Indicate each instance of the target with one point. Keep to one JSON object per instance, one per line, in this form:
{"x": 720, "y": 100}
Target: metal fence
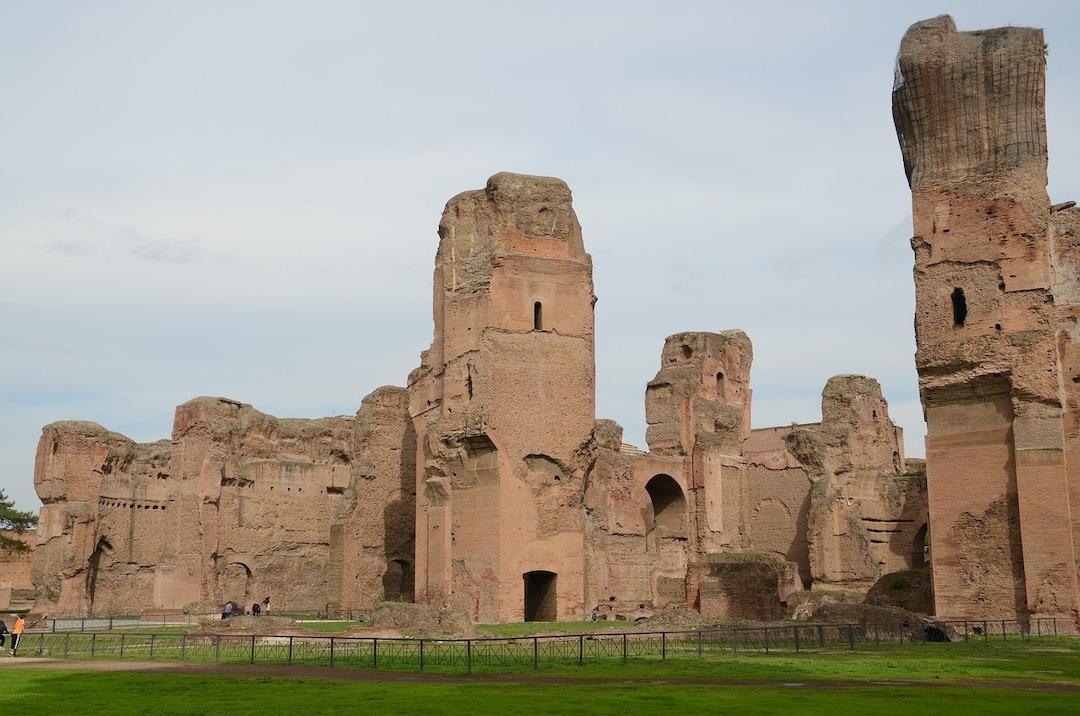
{"x": 494, "y": 653}
{"x": 167, "y": 619}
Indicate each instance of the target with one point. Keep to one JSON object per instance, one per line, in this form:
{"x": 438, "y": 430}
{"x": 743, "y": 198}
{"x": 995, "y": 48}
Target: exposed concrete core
{"x": 488, "y": 487}
{"x": 997, "y": 307}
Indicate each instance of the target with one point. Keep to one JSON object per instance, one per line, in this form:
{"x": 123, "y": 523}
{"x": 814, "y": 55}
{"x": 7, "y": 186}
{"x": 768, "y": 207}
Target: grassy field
{"x": 976, "y": 677}
{"x": 40, "y": 691}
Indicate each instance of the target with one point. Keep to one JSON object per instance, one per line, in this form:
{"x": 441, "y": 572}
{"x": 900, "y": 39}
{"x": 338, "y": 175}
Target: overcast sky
{"x": 241, "y": 199}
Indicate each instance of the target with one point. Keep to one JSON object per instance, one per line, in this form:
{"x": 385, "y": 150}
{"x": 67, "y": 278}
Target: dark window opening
{"x": 668, "y": 503}
{"x": 720, "y": 385}
{"x": 920, "y": 545}
{"x": 397, "y": 581}
{"x": 687, "y": 351}
{"x": 959, "y": 307}
{"x": 335, "y": 490}
{"x": 468, "y": 380}
{"x": 538, "y": 317}
{"x": 540, "y": 599}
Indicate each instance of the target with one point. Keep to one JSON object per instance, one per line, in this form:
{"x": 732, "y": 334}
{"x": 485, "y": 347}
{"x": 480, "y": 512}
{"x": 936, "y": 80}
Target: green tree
{"x": 12, "y": 520}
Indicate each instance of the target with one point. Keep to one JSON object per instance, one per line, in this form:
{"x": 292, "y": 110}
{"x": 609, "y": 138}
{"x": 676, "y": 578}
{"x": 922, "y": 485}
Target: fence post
{"x": 851, "y": 636}
{"x": 1003, "y": 637}
{"x": 67, "y": 643}
{"x": 110, "y": 622}
{"x": 624, "y": 647}
{"x": 699, "y": 644}
{"x": 1055, "y": 625}
{"x": 375, "y": 653}
{"x": 580, "y": 649}
{"x": 734, "y": 641}
{"x": 41, "y": 643}
{"x": 151, "y": 646}
{"x": 900, "y": 631}
{"x": 986, "y": 630}
{"x": 663, "y": 645}
{"x": 290, "y": 651}
{"x": 251, "y": 658}
{"x": 331, "y": 652}
{"x": 93, "y": 643}
{"x": 468, "y": 654}
{"x": 966, "y": 630}
{"x": 766, "y": 640}
{"x": 536, "y": 652}
{"x": 421, "y": 655}
{"x": 1038, "y": 625}
{"x": 54, "y": 626}
{"x": 795, "y": 634}
{"x": 183, "y": 646}
{"x": 217, "y": 648}
{"x": 82, "y": 624}
{"x": 122, "y": 645}
{"x": 821, "y": 635}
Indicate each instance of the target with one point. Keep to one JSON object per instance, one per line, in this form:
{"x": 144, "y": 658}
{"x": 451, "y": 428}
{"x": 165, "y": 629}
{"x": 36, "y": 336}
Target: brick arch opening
{"x": 668, "y": 502}
{"x": 541, "y": 601}
{"x": 397, "y": 581}
{"x": 103, "y": 547}
{"x": 919, "y": 546}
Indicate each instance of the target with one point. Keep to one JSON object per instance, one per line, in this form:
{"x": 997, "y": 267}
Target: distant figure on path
{"x": 266, "y": 604}
{"x": 255, "y": 609}
{"x": 3, "y": 633}
{"x": 227, "y": 611}
{"x": 17, "y": 632}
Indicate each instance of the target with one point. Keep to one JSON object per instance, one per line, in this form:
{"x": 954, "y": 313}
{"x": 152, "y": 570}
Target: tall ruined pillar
{"x": 502, "y": 402}
{"x": 970, "y": 116}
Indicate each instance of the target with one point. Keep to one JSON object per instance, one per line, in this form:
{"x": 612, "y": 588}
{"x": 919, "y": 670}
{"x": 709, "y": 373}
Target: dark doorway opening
{"x": 397, "y": 581}
{"x": 540, "y": 601}
{"x": 668, "y": 503}
{"x": 919, "y": 547}
{"x": 538, "y": 316}
{"x": 959, "y": 307}
{"x": 94, "y": 566}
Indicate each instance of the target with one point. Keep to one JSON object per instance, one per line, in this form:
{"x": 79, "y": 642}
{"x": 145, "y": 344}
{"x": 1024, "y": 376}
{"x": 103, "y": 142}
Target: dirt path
{"x": 346, "y": 674}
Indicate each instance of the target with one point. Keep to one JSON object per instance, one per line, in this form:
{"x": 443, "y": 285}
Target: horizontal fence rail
{"x": 167, "y": 619}
{"x": 494, "y": 653}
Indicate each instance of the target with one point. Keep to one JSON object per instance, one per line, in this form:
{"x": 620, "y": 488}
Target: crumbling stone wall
{"x": 237, "y": 505}
{"x": 487, "y": 485}
{"x": 995, "y": 320}
{"x": 504, "y": 401}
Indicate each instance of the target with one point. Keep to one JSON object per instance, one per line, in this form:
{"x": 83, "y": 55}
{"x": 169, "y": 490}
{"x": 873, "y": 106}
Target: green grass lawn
{"x": 40, "y": 691}
{"x": 528, "y": 628}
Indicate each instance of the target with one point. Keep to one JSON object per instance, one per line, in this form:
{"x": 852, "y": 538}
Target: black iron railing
{"x": 494, "y": 653}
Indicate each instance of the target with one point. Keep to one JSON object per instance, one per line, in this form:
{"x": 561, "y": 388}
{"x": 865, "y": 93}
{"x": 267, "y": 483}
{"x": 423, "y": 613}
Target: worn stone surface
{"x": 487, "y": 487}
{"x": 16, "y": 585}
{"x": 238, "y": 505}
{"x": 996, "y": 321}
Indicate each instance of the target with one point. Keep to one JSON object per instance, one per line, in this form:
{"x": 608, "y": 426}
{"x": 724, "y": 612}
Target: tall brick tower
{"x": 997, "y": 292}
{"x": 502, "y": 402}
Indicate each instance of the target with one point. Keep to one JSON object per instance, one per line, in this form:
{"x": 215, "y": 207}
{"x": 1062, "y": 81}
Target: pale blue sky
{"x": 240, "y": 199}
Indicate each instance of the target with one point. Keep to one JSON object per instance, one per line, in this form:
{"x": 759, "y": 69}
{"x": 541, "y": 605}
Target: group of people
{"x": 16, "y": 632}
{"x": 230, "y": 609}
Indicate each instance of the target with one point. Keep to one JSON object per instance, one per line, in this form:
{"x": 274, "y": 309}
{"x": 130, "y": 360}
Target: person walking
{"x": 266, "y": 604}
{"x": 3, "y": 633}
{"x": 17, "y": 632}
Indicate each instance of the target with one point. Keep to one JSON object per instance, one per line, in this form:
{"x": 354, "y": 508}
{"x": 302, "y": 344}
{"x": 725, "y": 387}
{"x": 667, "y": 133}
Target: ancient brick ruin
{"x": 997, "y": 278}
{"x": 489, "y": 484}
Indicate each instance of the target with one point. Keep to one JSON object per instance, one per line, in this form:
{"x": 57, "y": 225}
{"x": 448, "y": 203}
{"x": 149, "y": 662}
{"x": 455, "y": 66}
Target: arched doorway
{"x": 920, "y": 546}
{"x": 93, "y": 569}
{"x": 397, "y": 581}
{"x": 541, "y": 602}
{"x": 668, "y": 503}
{"x": 235, "y": 583}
